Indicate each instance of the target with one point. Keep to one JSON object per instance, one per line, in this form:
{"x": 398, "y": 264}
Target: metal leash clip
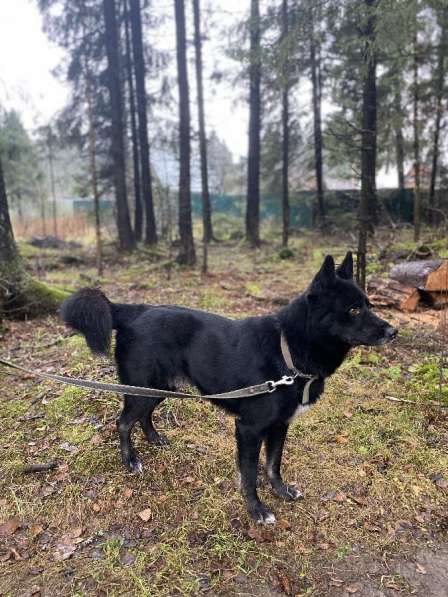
{"x": 286, "y": 380}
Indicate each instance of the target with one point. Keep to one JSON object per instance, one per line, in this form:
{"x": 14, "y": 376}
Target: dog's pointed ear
{"x": 326, "y": 276}
{"x": 345, "y": 270}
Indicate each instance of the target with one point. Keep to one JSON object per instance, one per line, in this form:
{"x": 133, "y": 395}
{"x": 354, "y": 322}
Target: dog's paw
{"x": 134, "y": 465}
{"x": 262, "y": 515}
{"x": 289, "y": 493}
{"x": 156, "y": 439}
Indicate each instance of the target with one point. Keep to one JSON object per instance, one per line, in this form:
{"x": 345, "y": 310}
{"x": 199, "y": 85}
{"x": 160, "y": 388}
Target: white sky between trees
{"x": 27, "y": 59}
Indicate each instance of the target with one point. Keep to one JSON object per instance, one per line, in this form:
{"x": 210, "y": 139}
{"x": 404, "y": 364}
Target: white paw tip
{"x": 295, "y": 493}
{"x": 268, "y": 519}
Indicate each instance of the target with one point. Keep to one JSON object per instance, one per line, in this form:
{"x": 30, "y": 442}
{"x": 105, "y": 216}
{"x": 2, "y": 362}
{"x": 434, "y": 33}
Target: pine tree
{"x": 139, "y": 66}
{"x": 125, "y": 234}
{"x": 368, "y": 139}
{"x": 440, "y": 76}
{"x": 285, "y": 127}
{"x": 206, "y": 206}
{"x": 138, "y": 209}
{"x": 187, "y": 255}
{"x": 316, "y": 83}
{"x": 253, "y": 158}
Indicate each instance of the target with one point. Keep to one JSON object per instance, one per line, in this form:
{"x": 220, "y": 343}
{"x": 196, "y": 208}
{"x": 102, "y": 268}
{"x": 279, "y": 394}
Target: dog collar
{"x": 286, "y": 353}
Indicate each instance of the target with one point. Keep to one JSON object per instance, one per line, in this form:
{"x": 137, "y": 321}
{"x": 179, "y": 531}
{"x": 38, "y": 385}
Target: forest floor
{"x": 374, "y": 472}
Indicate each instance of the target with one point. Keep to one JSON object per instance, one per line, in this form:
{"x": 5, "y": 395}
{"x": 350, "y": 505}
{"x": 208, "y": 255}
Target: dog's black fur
{"x": 158, "y": 345}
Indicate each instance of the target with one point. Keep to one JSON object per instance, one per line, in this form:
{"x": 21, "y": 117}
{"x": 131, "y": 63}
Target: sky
{"x": 27, "y": 59}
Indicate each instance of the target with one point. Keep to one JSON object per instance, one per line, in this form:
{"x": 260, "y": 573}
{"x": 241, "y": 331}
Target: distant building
{"x": 425, "y": 176}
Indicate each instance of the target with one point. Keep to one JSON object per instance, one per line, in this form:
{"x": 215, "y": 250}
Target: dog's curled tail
{"x": 90, "y": 312}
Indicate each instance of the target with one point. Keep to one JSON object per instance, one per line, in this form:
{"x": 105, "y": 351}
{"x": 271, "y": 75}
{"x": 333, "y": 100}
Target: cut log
{"x": 392, "y": 294}
{"x": 416, "y": 273}
{"x": 438, "y": 279}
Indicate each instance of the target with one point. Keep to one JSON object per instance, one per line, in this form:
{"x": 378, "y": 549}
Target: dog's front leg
{"x": 248, "y": 454}
{"x": 274, "y": 443}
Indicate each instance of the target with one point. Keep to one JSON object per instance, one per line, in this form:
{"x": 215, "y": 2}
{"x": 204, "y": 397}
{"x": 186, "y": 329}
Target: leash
{"x": 296, "y": 372}
{"x": 266, "y": 387}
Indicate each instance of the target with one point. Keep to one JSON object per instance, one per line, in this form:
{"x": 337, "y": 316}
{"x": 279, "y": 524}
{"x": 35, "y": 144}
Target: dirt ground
{"x": 373, "y": 467}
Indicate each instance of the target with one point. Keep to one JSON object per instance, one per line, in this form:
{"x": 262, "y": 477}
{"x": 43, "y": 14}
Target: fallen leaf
{"x": 420, "y": 569}
{"x": 352, "y": 589}
{"x": 127, "y": 492}
{"x": 442, "y": 484}
{"x": 9, "y": 527}
{"x": 36, "y": 529}
{"x": 15, "y": 554}
{"x": 260, "y": 534}
{"x": 96, "y": 507}
{"x": 361, "y": 501}
{"x": 341, "y": 439}
{"x": 371, "y": 527}
{"x": 46, "y": 490}
{"x": 34, "y": 590}
{"x": 65, "y": 548}
{"x": 284, "y": 583}
{"x": 283, "y": 524}
{"x": 145, "y": 514}
{"x": 348, "y": 414}
{"x": 334, "y": 496}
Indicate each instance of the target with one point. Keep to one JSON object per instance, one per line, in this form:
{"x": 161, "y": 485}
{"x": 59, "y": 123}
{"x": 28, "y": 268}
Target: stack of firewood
{"x": 412, "y": 284}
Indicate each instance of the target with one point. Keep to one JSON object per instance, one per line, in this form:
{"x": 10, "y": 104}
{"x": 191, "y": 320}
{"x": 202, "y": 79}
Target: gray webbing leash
{"x": 296, "y": 373}
{"x": 266, "y": 387}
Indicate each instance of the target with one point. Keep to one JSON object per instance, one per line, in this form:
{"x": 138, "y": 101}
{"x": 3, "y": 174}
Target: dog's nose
{"x": 390, "y": 332}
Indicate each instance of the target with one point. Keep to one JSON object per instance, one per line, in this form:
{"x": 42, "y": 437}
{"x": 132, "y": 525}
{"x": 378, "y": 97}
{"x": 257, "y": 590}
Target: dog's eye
{"x": 354, "y": 311}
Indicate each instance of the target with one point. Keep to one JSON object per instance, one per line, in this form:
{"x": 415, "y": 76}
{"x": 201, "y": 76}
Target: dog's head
{"x": 339, "y": 308}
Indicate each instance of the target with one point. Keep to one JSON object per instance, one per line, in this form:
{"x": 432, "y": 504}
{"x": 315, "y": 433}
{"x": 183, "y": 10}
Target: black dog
{"x": 159, "y": 345}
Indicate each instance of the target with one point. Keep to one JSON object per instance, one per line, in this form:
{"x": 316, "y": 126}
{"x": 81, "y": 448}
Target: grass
{"x": 366, "y": 465}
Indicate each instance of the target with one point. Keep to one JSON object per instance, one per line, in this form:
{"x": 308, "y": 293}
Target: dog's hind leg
{"x": 274, "y": 443}
{"x": 147, "y": 425}
{"x": 248, "y": 454}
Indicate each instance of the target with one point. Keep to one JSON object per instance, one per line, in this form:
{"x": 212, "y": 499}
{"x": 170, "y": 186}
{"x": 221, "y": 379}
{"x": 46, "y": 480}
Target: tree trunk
{"x": 399, "y": 139}
{"x": 317, "y": 122}
{"x": 11, "y": 268}
{"x": 415, "y": 125}
{"x": 20, "y": 296}
{"x": 138, "y": 212}
{"x": 206, "y": 207}
{"x": 367, "y": 210}
{"x": 285, "y": 129}
{"x": 93, "y": 171}
{"x": 139, "y": 67}
{"x": 439, "y": 99}
{"x": 253, "y": 165}
{"x": 52, "y": 184}
{"x": 125, "y": 234}
{"x": 187, "y": 255}
{"x": 8, "y": 248}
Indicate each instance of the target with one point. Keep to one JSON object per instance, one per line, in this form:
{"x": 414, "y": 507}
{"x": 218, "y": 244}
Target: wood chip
{"x": 145, "y": 514}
